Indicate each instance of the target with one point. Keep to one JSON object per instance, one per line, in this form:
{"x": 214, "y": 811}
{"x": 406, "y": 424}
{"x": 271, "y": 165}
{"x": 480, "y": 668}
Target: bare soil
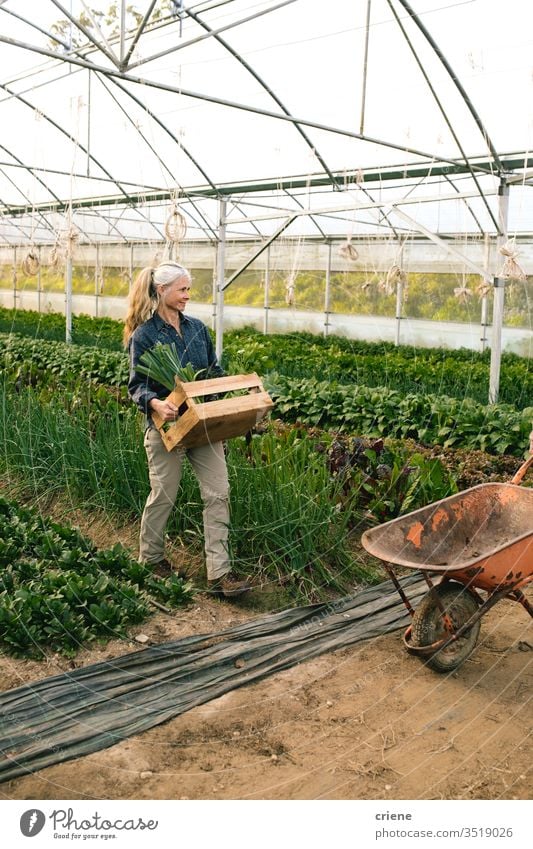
{"x": 368, "y": 722}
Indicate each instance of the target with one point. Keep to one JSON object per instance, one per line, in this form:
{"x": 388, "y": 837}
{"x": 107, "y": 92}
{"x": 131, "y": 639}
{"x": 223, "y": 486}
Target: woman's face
{"x": 176, "y": 294}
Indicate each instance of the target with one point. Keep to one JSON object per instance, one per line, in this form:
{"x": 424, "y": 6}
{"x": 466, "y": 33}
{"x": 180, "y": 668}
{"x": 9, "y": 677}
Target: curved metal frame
{"x": 118, "y": 76}
{"x": 441, "y": 107}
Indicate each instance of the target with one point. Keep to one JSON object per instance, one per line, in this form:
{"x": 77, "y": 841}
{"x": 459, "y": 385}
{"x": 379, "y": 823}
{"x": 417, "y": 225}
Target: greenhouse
{"x": 350, "y": 185}
{"x": 333, "y": 194}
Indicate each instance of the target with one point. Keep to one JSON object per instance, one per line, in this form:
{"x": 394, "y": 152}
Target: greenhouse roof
{"x": 311, "y": 118}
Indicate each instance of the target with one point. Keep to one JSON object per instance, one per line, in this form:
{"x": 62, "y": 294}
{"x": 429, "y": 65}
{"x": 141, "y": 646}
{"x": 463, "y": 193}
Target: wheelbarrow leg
{"x": 520, "y": 597}
{"x": 392, "y": 575}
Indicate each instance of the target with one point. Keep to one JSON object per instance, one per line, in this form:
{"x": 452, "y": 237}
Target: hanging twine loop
{"x": 64, "y": 247}
{"x": 348, "y": 251}
{"x": 290, "y": 292}
{"x": 482, "y": 289}
{"x": 30, "y": 264}
{"x": 395, "y": 277}
{"x": 463, "y": 294}
{"x": 175, "y": 226}
{"x": 511, "y": 270}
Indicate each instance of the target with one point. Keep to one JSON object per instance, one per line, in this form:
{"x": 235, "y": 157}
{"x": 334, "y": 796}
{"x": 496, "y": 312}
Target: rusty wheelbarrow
{"x": 479, "y": 542}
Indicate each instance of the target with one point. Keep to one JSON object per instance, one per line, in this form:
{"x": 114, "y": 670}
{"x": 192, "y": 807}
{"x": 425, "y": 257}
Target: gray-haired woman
{"x": 155, "y": 314}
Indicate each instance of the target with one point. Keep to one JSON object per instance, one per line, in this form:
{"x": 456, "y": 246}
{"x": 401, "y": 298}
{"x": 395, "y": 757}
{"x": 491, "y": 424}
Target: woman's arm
{"x": 141, "y": 388}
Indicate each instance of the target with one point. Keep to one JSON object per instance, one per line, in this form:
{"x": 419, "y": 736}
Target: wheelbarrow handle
{"x": 521, "y": 473}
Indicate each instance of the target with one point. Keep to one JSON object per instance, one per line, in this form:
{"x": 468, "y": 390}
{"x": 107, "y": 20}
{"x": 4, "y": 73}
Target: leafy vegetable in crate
{"x": 162, "y": 364}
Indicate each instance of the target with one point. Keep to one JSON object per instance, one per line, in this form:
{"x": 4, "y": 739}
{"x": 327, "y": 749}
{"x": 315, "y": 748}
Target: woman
{"x": 157, "y": 302}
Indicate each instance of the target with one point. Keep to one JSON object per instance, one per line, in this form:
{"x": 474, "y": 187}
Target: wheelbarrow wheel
{"x": 428, "y": 628}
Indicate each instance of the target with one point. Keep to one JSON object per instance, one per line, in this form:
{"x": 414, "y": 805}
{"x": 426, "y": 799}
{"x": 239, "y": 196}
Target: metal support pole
{"x": 214, "y": 291}
{"x": 96, "y": 279}
{"x": 89, "y": 77}
{"x": 122, "y": 30}
{"x": 365, "y": 68}
{"x": 399, "y": 304}
{"x": 327, "y": 295}
{"x": 68, "y": 298}
{"x": 267, "y": 292}
{"x": 485, "y": 298}
{"x": 14, "y": 278}
{"x": 499, "y": 298}
{"x": 219, "y": 322}
{"x": 39, "y": 280}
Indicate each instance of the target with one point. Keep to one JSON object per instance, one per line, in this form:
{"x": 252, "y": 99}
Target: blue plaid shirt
{"x": 193, "y": 346}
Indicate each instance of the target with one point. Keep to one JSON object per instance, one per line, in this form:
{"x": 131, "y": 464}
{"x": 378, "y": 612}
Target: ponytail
{"x": 144, "y": 295}
{"x": 142, "y": 301}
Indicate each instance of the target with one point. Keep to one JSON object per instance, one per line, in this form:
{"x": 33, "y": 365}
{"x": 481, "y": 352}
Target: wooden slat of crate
{"x": 213, "y": 421}
{"x": 216, "y": 385}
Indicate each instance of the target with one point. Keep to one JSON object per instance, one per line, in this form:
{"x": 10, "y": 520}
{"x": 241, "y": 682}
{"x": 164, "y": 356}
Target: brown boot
{"x": 164, "y": 569}
{"x": 228, "y": 586}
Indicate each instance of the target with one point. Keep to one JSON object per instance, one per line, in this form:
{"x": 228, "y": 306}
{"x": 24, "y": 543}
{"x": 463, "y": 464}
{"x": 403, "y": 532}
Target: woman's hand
{"x": 531, "y": 442}
{"x": 165, "y": 409}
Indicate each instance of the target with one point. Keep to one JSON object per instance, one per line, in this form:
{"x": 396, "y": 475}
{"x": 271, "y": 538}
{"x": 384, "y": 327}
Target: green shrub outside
{"x": 427, "y": 295}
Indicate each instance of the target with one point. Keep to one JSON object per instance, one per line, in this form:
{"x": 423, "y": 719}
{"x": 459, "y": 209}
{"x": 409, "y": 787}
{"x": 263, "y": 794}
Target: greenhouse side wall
{"x": 302, "y": 285}
{"x": 443, "y": 334}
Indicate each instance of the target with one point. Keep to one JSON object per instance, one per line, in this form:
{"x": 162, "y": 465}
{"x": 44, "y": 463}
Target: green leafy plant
{"x": 460, "y": 374}
{"x": 376, "y": 411}
{"x": 58, "y": 591}
{"x": 388, "y": 481}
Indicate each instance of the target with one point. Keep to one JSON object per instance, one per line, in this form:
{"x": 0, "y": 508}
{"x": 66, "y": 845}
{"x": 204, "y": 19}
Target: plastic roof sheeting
{"x": 275, "y": 105}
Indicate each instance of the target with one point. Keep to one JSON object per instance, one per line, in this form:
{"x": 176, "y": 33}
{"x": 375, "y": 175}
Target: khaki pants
{"x": 209, "y": 464}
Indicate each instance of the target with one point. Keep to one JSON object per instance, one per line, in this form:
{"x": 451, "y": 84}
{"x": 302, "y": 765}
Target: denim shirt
{"x": 193, "y": 346}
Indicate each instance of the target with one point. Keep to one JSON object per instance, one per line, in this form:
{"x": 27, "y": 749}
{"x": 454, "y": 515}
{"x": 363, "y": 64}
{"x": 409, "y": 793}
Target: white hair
{"x": 169, "y": 271}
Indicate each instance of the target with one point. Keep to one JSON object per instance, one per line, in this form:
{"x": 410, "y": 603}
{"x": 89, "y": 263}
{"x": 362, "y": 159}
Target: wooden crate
{"x": 200, "y": 423}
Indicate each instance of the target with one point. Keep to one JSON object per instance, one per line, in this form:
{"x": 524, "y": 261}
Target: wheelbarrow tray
{"x": 482, "y": 536}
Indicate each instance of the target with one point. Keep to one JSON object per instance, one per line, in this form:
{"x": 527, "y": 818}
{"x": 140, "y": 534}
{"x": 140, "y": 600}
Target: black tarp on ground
{"x": 94, "y": 707}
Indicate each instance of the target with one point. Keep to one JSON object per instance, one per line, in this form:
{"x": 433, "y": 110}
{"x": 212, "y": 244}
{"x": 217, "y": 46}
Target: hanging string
{"x": 511, "y": 270}
{"x": 347, "y": 250}
{"x": 290, "y": 285}
{"x": 290, "y": 291}
{"x": 463, "y": 294}
{"x": 394, "y": 277}
{"x": 175, "y": 226}
{"x": 483, "y": 288}
{"x": 63, "y": 247}
{"x": 55, "y": 259}
{"x": 30, "y": 264}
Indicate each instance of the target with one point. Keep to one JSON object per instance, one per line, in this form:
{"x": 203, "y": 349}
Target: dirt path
{"x": 367, "y": 722}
